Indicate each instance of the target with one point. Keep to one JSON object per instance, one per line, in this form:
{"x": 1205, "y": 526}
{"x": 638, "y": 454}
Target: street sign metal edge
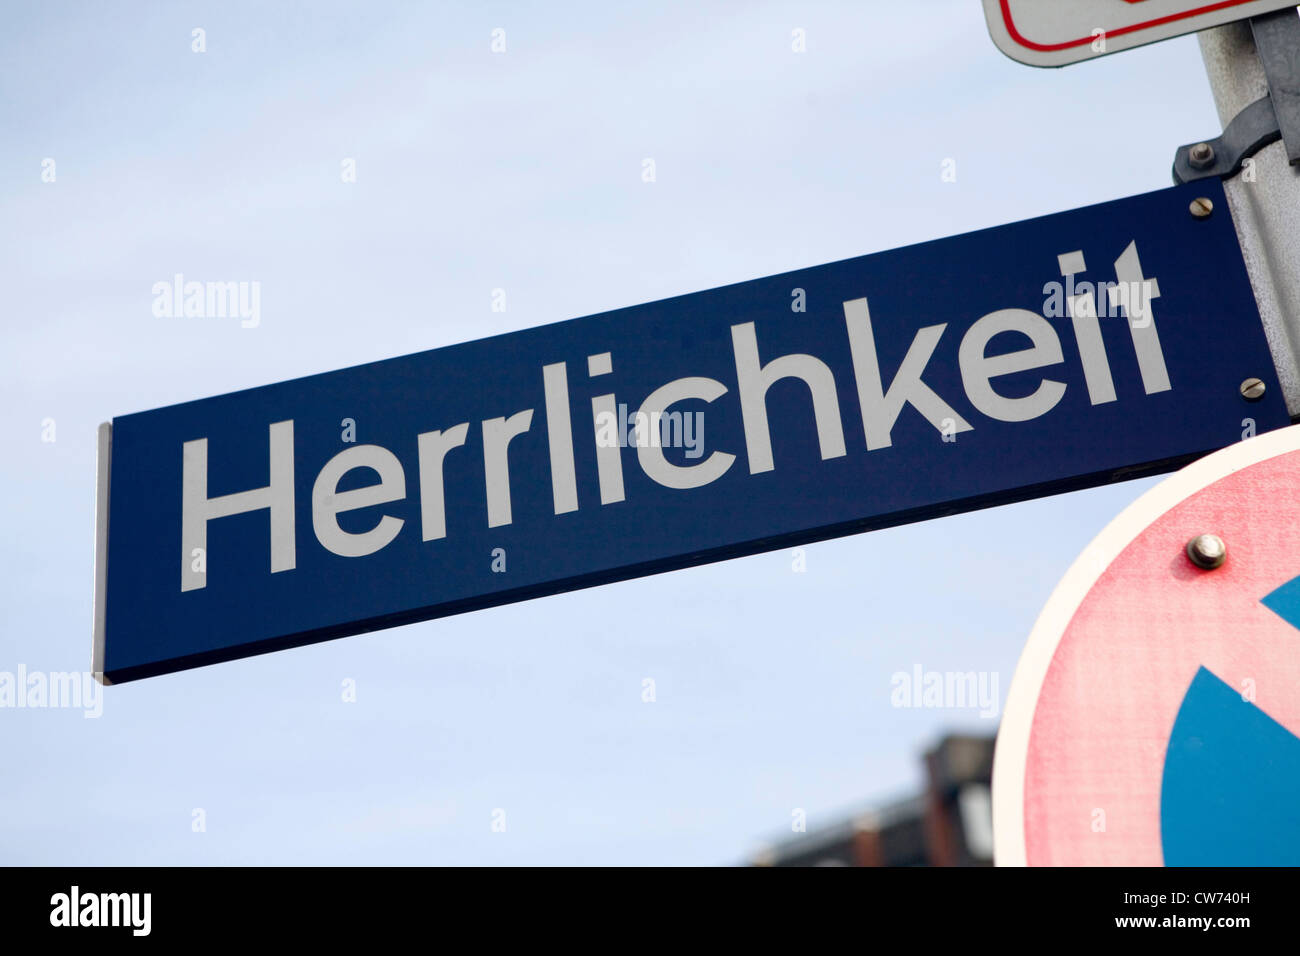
{"x": 102, "y": 470}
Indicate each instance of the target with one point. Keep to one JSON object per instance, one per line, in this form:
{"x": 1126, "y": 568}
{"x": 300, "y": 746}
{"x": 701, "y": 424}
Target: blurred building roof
{"x": 948, "y": 824}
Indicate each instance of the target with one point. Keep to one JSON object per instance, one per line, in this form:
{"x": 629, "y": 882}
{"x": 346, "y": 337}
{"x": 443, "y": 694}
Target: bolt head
{"x": 1201, "y": 207}
{"x": 1207, "y": 551}
{"x": 1201, "y": 156}
{"x": 1252, "y": 389}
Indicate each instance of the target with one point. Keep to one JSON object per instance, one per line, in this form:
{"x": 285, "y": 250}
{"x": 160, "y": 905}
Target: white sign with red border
{"x": 1057, "y": 32}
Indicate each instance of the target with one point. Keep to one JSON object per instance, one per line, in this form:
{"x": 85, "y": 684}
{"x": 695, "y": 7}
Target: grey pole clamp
{"x": 1272, "y": 117}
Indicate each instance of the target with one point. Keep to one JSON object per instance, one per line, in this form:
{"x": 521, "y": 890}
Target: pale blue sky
{"x": 519, "y": 171}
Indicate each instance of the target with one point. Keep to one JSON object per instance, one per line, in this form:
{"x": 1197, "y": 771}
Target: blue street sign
{"x": 1023, "y": 360}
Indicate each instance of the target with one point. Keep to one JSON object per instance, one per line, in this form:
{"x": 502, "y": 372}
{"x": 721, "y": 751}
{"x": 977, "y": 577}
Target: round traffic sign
{"x": 1155, "y": 712}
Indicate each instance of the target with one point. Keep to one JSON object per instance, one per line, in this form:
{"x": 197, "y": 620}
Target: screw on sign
{"x": 1154, "y": 717}
{"x": 1207, "y": 551}
{"x": 1252, "y": 389}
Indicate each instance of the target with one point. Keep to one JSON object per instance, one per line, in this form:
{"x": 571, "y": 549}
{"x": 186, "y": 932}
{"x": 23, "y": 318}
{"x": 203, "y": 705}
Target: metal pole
{"x": 1264, "y": 199}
